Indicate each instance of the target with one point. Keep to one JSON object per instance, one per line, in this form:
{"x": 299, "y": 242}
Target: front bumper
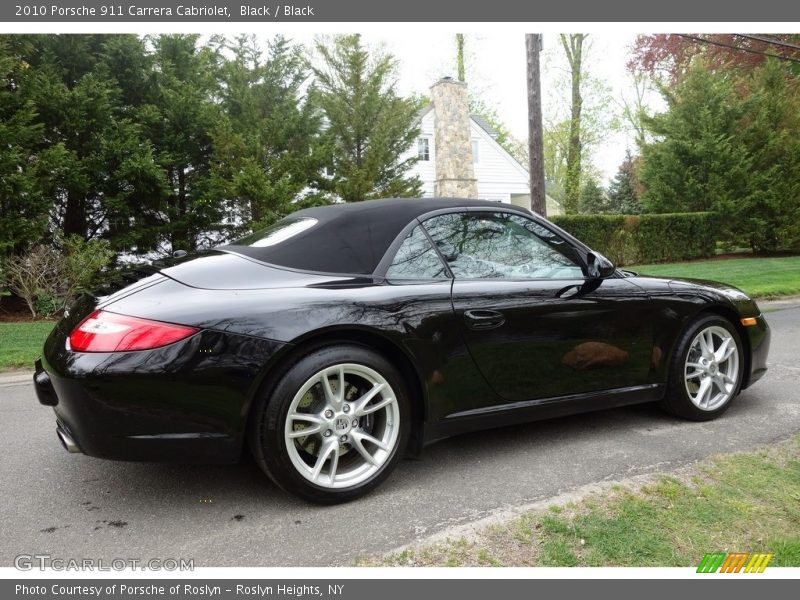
{"x": 186, "y": 402}
{"x": 758, "y": 338}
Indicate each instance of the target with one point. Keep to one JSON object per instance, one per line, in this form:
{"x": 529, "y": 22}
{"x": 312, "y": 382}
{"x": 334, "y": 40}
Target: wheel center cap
{"x": 713, "y": 368}
{"x": 341, "y": 425}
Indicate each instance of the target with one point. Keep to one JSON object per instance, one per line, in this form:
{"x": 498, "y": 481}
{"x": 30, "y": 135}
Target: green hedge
{"x": 632, "y": 239}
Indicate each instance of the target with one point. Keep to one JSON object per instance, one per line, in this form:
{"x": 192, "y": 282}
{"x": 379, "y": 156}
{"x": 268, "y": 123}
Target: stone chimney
{"x": 455, "y": 175}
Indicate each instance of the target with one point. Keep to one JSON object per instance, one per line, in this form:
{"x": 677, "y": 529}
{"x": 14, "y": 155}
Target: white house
{"x": 494, "y": 175}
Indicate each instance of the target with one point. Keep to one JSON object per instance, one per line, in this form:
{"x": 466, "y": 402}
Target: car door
{"x": 419, "y": 285}
{"x": 535, "y": 326}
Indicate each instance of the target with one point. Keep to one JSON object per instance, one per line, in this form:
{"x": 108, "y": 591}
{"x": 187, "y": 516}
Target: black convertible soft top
{"x": 347, "y": 238}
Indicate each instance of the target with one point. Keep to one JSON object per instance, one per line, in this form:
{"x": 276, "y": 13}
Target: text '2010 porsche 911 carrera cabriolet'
{"x": 343, "y": 337}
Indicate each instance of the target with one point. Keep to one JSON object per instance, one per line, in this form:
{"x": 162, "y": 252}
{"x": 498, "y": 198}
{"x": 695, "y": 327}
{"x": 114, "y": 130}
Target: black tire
{"x": 266, "y": 432}
{"x": 677, "y": 400}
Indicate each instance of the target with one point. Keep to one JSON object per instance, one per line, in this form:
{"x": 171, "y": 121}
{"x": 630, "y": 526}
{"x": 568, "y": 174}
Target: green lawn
{"x": 747, "y": 502}
{"x": 21, "y": 343}
{"x": 759, "y": 277}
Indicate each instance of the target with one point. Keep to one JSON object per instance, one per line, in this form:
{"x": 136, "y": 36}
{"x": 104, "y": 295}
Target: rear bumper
{"x": 186, "y": 402}
{"x": 759, "y": 337}
{"x": 47, "y": 396}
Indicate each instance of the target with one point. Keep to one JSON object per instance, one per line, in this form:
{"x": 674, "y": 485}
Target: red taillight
{"x": 109, "y": 332}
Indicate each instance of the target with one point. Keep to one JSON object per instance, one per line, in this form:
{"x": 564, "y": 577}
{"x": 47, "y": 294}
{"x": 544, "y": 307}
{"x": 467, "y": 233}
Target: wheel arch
{"x": 279, "y": 364}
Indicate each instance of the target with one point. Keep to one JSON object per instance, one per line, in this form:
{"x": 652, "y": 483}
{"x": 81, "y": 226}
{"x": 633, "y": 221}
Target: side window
{"x": 416, "y": 259}
{"x": 501, "y": 245}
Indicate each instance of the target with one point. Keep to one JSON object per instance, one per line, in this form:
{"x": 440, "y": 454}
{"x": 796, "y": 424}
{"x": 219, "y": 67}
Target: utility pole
{"x": 533, "y": 45}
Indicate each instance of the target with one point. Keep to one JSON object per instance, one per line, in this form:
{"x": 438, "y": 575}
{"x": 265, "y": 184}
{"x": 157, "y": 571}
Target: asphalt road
{"x": 72, "y": 506}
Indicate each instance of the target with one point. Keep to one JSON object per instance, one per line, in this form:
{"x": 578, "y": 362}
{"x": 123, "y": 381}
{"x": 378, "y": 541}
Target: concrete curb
{"x": 15, "y": 378}
{"x": 779, "y": 303}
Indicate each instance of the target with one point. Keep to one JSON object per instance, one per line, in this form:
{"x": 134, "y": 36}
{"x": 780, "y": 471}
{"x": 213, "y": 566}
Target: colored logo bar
{"x": 734, "y": 562}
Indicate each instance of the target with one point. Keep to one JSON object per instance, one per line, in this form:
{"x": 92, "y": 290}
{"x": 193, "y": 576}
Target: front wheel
{"x": 706, "y": 370}
{"x": 334, "y": 426}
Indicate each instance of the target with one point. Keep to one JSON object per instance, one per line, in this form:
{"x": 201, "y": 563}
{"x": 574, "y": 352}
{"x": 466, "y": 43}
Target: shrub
{"x": 630, "y": 239}
{"x": 49, "y": 280}
{"x": 677, "y": 236}
{"x": 34, "y": 275}
{"x": 84, "y": 266}
{"x": 596, "y": 231}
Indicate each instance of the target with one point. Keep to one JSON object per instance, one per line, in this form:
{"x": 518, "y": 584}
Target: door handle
{"x": 479, "y": 320}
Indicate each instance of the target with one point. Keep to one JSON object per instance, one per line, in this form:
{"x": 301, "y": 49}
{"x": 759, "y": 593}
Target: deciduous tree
{"x": 573, "y": 49}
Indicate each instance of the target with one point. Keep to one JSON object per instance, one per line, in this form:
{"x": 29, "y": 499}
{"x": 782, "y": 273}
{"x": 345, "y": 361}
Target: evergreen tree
{"x": 179, "y": 124}
{"x": 695, "y": 163}
{"x": 268, "y": 152}
{"x": 730, "y": 143}
{"x": 766, "y": 216}
{"x": 94, "y": 164}
{"x": 592, "y": 199}
{"x": 622, "y": 195}
{"x": 23, "y": 208}
{"x": 369, "y": 127}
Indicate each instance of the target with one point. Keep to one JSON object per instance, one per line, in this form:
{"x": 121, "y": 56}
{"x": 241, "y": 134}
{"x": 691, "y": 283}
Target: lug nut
{"x": 328, "y": 414}
{"x": 355, "y": 422}
{"x": 343, "y": 439}
{"x": 327, "y": 433}
{"x": 346, "y": 408}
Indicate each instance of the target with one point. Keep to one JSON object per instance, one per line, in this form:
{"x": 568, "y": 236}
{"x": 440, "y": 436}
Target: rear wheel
{"x": 706, "y": 370}
{"x": 334, "y": 426}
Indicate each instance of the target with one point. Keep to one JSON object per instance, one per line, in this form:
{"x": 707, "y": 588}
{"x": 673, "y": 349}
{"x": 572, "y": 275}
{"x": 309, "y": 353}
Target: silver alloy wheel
{"x": 712, "y": 368}
{"x": 342, "y": 426}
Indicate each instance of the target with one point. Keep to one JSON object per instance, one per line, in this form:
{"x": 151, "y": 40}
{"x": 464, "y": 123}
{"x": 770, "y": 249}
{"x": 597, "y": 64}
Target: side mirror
{"x": 598, "y": 266}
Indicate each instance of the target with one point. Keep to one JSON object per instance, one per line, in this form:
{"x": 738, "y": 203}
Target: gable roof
{"x": 484, "y": 124}
{"x": 479, "y": 120}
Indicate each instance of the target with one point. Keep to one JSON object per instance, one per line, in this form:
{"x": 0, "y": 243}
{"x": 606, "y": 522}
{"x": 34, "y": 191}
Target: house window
{"x": 474, "y": 151}
{"x": 423, "y": 149}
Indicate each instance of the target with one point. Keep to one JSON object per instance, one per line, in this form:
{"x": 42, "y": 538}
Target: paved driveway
{"x": 72, "y": 506}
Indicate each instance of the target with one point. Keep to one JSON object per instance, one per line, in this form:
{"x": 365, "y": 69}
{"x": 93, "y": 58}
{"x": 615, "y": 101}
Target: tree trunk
{"x": 74, "y": 217}
{"x": 535, "y": 143}
{"x": 462, "y": 76}
{"x": 573, "y": 46}
{"x": 180, "y": 233}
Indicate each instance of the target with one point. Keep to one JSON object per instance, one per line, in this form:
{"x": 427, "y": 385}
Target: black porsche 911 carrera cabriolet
{"x": 343, "y": 337}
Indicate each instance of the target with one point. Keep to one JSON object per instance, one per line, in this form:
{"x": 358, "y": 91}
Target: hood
{"x": 712, "y": 291}
{"x": 680, "y": 284}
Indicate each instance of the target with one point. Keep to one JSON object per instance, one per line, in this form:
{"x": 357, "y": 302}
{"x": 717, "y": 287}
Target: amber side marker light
{"x": 749, "y": 321}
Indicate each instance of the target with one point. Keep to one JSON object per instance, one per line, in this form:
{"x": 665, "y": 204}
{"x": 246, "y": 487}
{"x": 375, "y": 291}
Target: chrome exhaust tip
{"x": 67, "y": 441}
